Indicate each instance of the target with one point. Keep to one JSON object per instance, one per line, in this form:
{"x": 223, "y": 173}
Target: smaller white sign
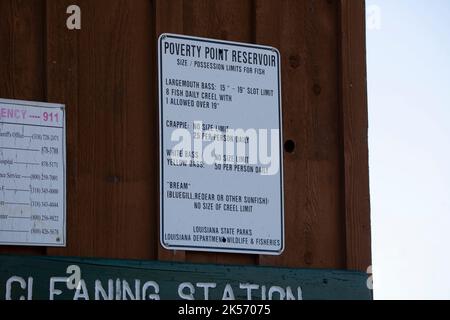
{"x": 32, "y": 173}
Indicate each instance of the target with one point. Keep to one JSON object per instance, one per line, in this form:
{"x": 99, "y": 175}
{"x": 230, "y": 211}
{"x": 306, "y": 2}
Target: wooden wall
{"x": 106, "y": 74}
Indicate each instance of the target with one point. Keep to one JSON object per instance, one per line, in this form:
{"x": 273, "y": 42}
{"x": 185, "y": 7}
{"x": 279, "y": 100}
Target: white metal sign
{"x": 32, "y": 173}
{"x": 221, "y": 178}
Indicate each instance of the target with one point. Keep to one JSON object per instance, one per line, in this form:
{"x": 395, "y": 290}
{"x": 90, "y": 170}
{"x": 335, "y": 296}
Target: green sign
{"x": 51, "y": 278}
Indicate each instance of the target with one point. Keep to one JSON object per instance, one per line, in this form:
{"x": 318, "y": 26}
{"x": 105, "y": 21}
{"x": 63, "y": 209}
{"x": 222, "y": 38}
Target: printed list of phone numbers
{"x": 32, "y": 194}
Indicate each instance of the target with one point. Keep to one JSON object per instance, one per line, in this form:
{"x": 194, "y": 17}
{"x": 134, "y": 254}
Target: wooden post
{"x": 354, "y": 127}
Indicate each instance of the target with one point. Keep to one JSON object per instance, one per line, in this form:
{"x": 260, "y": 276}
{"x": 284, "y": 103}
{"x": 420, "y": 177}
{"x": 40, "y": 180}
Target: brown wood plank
{"x": 168, "y": 19}
{"x": 212, "y": 19}
{"x": 225, "y": 20}
{"x": 305, "y": 33}
{"x": 218, "y": 20}
{"x": 104, "y": 73}
{"x": 355, "y": 126}
{"x": 62, "y": 87}
{"x": 22, "y": 64}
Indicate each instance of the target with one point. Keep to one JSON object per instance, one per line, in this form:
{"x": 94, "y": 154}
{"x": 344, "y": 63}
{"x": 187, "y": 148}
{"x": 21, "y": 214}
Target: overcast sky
{"x": 409, "y": 145}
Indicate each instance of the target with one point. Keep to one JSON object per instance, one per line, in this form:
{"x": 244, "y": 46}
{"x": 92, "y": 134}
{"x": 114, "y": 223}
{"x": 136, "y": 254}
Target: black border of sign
{"x": 162, "y": 37}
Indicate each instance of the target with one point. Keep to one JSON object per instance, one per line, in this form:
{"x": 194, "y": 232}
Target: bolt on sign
{"x": 32, "y": 173}
{"x": 221, "y": 166}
